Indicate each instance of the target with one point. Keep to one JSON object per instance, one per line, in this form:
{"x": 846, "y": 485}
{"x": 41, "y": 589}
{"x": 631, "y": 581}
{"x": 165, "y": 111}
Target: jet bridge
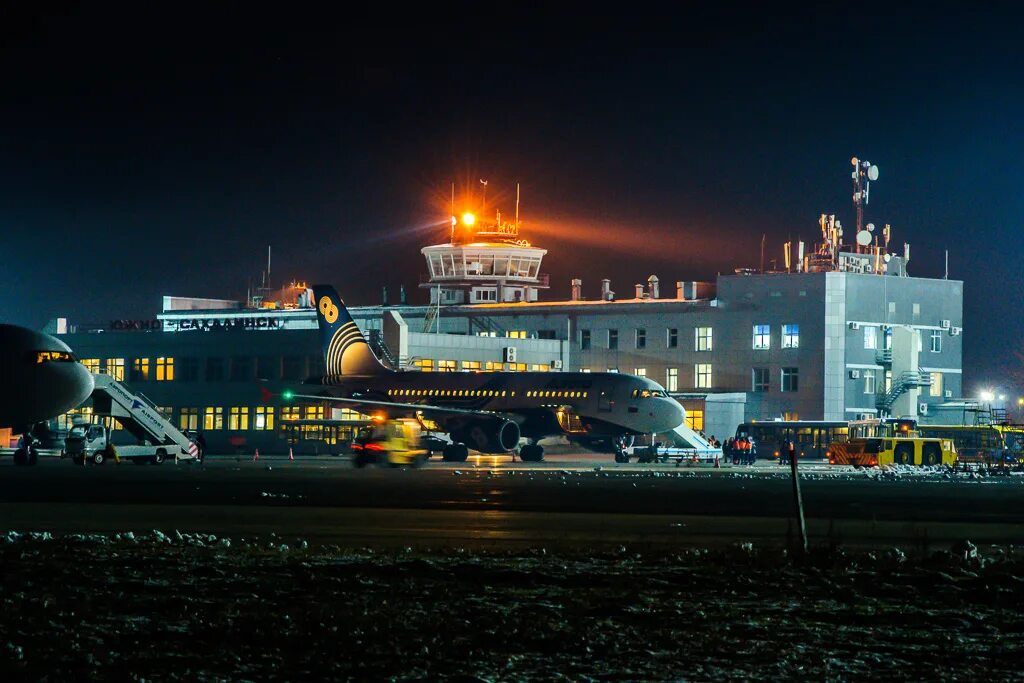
{"x": 139, "y": 416}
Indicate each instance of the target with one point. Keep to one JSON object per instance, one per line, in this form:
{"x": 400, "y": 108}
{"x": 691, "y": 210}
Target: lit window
{"x": 446, "y": 366}
{"x": 702, "y": 375}
{"x": 760, "y": 380}
{"x": 140, "y": 370}
{"x": 516, "y": 334}
{"x": 115, "y": 368}
{"x": 238, "y": 418}
{"x": 517, "y": 367}
{"x": 870, "y": 383}
{"x": 492, "y": 366}
{"x": 936, "y": 341}
{"x": 470, "y": 365}
{"x": 790, "y": 416}
{"x": 672, "y": 379}
{"x": 263, "y": 418}
{"x": 640, "y": 372}
{"x": 695, "y": 419}
{"x": 425, "y": 364}
{"x": 935, "y": 389}
{"x": 188, "y": 418}
{"x": 762, "y": 337}
{"x": 164, "y": 369}
{"x": 540, "y": 367}
{"x": 641, "y": 338}
{"x": 92, "y": 365}
{"x": 790, "y": 379}
{"x": 290, "y": 412}
{"x": 213, "y": 418}
{"x": 703, "y": 339}
{"x": 613, "y": 339}
{"x": 584, "y": 369}
{"x": 314, "y": 412}
{"x": 791, "y": 336}
{"x": 673, "y": 338}
{"x": 584, "y": 340}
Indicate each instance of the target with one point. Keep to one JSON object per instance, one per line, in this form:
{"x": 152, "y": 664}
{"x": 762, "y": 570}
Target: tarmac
{"x": 571, "y": 501}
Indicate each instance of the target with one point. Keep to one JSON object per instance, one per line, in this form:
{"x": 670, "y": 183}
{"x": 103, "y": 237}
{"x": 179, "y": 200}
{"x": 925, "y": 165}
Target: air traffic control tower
{"x": 484, "y": 262}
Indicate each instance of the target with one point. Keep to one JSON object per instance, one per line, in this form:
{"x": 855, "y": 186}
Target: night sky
{"x": 150, "y": 152}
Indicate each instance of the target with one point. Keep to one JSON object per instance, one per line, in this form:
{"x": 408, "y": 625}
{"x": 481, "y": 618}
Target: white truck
{"x": 158, "y": 438}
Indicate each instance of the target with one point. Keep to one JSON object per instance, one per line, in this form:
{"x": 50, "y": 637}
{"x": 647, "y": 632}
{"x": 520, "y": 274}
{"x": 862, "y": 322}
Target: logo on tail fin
{"x": 345, "y": 350}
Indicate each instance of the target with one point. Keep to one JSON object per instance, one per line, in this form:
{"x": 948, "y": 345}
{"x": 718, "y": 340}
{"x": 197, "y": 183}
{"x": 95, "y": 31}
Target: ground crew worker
{"x": 783, "y": 452}
{"x": 792, "y": 451}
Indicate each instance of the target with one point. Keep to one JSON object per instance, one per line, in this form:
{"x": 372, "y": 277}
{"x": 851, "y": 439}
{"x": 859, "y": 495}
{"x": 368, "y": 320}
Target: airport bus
{"x": 812, "y": 437}
{"x": 985, "y": 444}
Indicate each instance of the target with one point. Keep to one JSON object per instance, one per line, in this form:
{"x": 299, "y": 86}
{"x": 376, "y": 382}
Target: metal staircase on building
{"x": 486, "y": 324}
{"x": 376, "y": 341}
{"x": 900, "y": 385}
{"x": 883, "y": 356}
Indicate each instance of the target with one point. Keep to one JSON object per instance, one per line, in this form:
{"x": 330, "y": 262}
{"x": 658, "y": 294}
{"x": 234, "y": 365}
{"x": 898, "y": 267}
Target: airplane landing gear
{"x": 26, "y": 455}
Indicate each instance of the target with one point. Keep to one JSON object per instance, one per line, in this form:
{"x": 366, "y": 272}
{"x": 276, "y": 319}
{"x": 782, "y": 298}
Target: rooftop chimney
{"x": 680, "y": 294}
{"x": 652, "y": 286}
{"x": 577, "y": 289}
{"x": 606, "y": 290}
{"x": 639, "y": 291}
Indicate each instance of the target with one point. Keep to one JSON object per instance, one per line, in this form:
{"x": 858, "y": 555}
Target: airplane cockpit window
{"x": 50, "y": 356}
{"x": 648, "y": 393}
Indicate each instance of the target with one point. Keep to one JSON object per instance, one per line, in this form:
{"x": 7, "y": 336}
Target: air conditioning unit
{"x": 948, "y": 393}
{"x": 854, "y": 326}
{"x": 509, "y": 354}
{"x": 945, "y": 324}
{"x": 556, "y": 364}
{"x": 922, "y": 408}
{"x": 955, "y": 331}
{"x": 854, "y": 374}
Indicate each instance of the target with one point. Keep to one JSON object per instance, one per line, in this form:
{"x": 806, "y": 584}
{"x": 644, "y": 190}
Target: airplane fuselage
{"x": 606, "y": 404}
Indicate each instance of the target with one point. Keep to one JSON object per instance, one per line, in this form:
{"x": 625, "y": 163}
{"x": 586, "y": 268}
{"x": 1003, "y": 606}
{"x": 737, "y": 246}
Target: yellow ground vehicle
{"x": 891, "y": 442}
{"x": 394, "y": 443}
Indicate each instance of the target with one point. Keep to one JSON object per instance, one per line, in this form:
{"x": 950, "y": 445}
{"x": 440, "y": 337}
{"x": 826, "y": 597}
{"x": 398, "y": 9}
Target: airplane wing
{"x": 401, "y": 407}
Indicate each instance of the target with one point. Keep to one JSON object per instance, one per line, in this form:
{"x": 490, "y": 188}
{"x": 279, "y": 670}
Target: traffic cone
{"x": 256, "y": 457}
{"x": 291, "y": 456}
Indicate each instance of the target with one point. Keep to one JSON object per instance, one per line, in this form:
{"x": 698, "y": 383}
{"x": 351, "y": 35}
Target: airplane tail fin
{"x": 345, "y": 349}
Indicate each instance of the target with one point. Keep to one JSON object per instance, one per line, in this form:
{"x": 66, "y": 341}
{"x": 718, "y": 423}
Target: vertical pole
{"x": 517, "y": 206}
{"x": 798, "y": 502}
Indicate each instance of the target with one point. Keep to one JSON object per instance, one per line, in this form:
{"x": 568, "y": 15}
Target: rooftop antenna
{"x": 763, "y": 236}
{"x": 483, "y": 202}
{"x": 863, "y": 173}
{"x": 453, "y": 213}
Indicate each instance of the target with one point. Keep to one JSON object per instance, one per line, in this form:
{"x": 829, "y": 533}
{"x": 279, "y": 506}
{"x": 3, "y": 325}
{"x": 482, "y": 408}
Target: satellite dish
{"x": 871, "y": 227}
{"x": 863, "y": 238}
{"x": 873, "y": 172}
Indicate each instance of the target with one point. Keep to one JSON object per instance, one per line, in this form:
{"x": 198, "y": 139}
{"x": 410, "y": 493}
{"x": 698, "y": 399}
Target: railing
{"x": 377, "y": 345}
{"x": 883, "y": 356}
{"x": 900, "y": 385}
{"x": 542, "y": 280}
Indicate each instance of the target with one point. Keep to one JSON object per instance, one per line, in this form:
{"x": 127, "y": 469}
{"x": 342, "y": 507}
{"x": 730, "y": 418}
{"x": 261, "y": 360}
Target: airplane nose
{"x": 670, "y": 414}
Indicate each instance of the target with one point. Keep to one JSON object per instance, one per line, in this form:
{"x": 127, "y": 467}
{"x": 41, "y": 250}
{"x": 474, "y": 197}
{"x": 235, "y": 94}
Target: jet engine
{"x": 489, "y": 436}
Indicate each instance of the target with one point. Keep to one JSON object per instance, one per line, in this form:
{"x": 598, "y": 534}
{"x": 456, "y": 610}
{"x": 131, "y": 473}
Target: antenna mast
{"x": 863, "y": 173}
{"x": 517, "y": 206}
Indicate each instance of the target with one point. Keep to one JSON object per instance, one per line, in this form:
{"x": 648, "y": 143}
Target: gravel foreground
{"x": 197, "y": 608}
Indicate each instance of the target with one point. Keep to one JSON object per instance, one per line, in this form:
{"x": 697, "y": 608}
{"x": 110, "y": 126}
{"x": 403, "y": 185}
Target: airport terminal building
{"x": 844, "y": 334}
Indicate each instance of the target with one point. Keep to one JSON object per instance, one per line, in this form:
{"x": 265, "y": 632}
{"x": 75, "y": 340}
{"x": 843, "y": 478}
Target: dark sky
{"x": 149, "y": 152}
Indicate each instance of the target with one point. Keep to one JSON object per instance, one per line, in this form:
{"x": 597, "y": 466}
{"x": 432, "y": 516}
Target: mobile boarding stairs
{"x": 140, "y": 417}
